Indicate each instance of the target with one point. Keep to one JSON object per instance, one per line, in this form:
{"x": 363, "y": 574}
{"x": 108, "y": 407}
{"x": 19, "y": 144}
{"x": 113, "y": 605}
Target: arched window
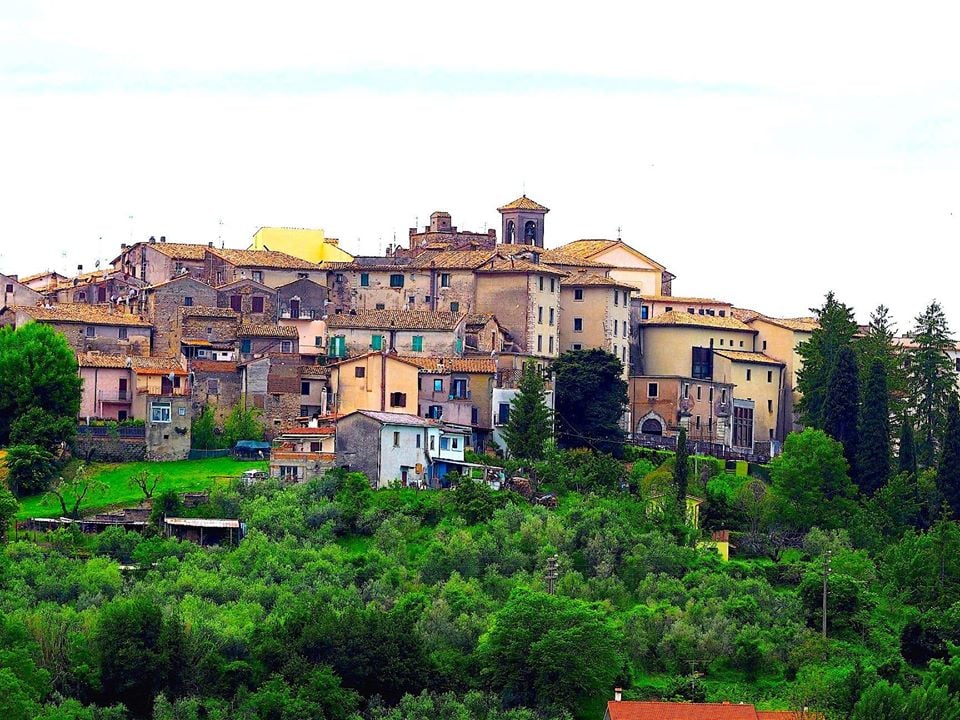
{"x": 530, "y": 232}
{"x": 511, "y": 233}
{"x": 651, "y": 426}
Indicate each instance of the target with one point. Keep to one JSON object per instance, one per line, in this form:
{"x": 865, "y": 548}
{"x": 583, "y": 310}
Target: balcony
{"x": 121, "y": 397}
{"x": 460, "y": 395}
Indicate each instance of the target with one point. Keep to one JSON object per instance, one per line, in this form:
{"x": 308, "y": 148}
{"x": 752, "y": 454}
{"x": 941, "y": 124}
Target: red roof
{"x": 637, "y": 710}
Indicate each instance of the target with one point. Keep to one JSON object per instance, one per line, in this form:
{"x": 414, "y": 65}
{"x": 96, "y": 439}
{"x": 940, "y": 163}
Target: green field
{"x": 182, "y": 476}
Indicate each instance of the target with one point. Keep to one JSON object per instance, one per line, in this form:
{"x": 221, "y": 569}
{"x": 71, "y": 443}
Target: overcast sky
{"x": 763, "y": 152}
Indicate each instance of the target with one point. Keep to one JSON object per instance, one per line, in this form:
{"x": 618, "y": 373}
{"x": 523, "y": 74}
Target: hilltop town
{"x": 435, "y": 332}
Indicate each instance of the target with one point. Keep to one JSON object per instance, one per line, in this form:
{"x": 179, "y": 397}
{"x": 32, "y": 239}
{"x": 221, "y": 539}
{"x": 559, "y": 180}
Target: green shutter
{"x": 418, "y": 343}
{"x": 376, "y": 342}
{"x": 459, "y": 345}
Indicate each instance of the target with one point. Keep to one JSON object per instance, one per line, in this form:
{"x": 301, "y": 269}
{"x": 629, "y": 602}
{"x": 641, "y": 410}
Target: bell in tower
{"x": 523, "y": 222}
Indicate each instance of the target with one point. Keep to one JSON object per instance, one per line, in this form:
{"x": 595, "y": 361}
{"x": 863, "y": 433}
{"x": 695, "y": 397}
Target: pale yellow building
{"x": 595, "y": 313}
{"x": 757, "y": 380}
{"x": 304, "y": 243}
{"x": 377, "y": 381}
{"x": 631, "y": 266}
{"x": 653, "y": 305}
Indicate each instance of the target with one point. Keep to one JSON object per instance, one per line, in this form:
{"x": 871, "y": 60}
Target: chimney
{"x": 152, "y": 239}
{"x": 163, "y": 238}
{"x": 210, "y": 244}
{"x": 617, "y": 694}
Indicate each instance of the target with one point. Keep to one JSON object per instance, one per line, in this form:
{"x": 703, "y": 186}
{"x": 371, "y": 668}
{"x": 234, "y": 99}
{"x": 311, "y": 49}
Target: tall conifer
{"x": 531, "y": 422}
{"x": 873, "y": 465}
{"x": 932, "y": 379}
{"x": 907, "y": 453}
{"x": 948, "y": 469}
{"x": 841, "y": 409}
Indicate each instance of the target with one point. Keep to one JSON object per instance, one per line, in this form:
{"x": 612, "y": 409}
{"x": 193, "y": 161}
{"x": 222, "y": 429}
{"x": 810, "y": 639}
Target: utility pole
{"x": 826, "y": 577}
{"x": 552, "y": 575}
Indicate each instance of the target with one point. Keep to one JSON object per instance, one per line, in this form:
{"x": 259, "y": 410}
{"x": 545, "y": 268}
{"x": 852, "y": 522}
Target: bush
{"x": 30, "y": 469}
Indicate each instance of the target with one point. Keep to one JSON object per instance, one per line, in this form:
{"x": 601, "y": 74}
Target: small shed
{"x": 204, "y": 531}
{"x": 251, "y": 450}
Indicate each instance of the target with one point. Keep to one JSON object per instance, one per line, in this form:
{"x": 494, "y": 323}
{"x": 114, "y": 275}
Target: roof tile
{"x": 393, "y": 319}
{"x": 83, "y": 314}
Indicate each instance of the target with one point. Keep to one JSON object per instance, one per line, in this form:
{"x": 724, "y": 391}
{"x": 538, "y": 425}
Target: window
{"x": 686, "y": 390}
{"x": 769, "y": 376}
{"x": 359, "y": 371}
{"x": 433, "y": 442}
{"x": 364, "y": 279}
{"x": 396, "y": 439}
{"x": 411, "y": 300}
{"x": 444, "y": 443}
{"x": 550, "y": 344}
{"x": 503, "y": 413}
{"x": 616, "y": 327}
{"x": 699, "y": 391}
{"x": 379, "y": 306}
{"x": 9, "y": 287}
{"x": 616, "y": 297}
{"x": 455, "y": 443}
{"x": 418, "y": 343}
{"x": 578, "y": 294}
{"x": 188, "y": 301}
{"x": 577, "y": 346}
{"x": 257, "y": 276}
{"x": 539, "y": 343}
{"x": 653, "y": 390}
{"x": 159, "y": 412}
{"x": 245, "y": 345}
{"x": 614, "y": 349}
{"x": 743, "y": 427}
{"x": 723, "y": 313}
{"x": 702, "y": 363}
{"x": 669, "y": 309}
{"x": 376, "y": 342}
{"x": 454, "y": 307}
{"x": 304, "y": 387}
{"x": 435, "y": 412}
{"x": 122, "y": 333}
{"x": 236, "y": 303}
{"x": 338, "y": 278}
{"x": 710, "y": 395}
{"x": 693, "y": 311}
{"x": 551, "y": 316}
{"x": 540, "y": 314}
{"x": 474, "y": 416}
{"x": 398, "y": 399}
{"x": 286, "y": 346}
{"x": 458, "y": 388}
{"x": 317, "y": 340}
{"x": 644, "y": 312}
{"x": 418, "y": 441}
{"x": 748, "y": 374}
{"x": 769, "y": 406}
{"x": 721, "y": 342}
{"x": 764, "y": 344}
{"x": 90, "y": 331}
{"x": 396, "y": 280}
{"x": 303, "y": 276}
{"x": 219, "y": 277}
{"x": 741, "y": 343}
{"x": 213, "y": 386}
{"x": 541, "y": 283}
{"x": 256, "y": 305}
{"x": 698, "y": 422}
{"x": 438, "y": 385}
{"x": 553, "y": 284}
{"x": 209, "y": 331}
{"x": 578, "y": 324}
{"x": 444, "y": 279}
{"x": 625, "y": 326}
{"x": 626, "y": 299}
{"x": 314, "y": 446}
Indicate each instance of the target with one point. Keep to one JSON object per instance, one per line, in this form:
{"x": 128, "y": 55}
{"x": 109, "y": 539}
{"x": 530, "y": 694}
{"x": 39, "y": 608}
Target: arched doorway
{"x": 651, "y": 426}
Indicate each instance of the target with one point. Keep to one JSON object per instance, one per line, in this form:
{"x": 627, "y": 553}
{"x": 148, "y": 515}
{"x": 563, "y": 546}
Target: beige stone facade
{"x": 595, "y": 313}
{"x": 374, "y": 381}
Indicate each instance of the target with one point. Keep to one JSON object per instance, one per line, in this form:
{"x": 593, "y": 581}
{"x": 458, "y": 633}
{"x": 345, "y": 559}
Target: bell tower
{"x": 523, "y": 222}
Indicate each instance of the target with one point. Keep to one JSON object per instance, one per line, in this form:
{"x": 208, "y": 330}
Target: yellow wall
{"x": 353, "y": 393}
{"x": 667, "y": 349}
{"x": 764, "y": 393}
{"x": 598, "y": 312}
{"x": 303, "y": 243}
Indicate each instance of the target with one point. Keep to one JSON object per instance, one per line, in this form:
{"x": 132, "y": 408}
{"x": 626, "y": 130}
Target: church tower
{"x": 523, "y": 222}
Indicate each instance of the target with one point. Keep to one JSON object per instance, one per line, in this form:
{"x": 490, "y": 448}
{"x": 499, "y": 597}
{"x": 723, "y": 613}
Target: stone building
{"x": 208, "y": 333}
{"x": 155, "y": 262}
{"x": 97, "y": 288}
{"x": 161, "y": 304}
{"x": 484, "y": 334}
{"x": 271, "y": 383}
{"x": 378, "y": 381}
{"x": 15, "y": 292}
{"x": 103, "y": 328}
{"x": 629, "y": 265}
{"x": 595, "y": 313}
{"x": 267, "y": 267}
{"x": 254, "y": 301}
{"x": 118, "y": 387}
{"x": 523, "y": 221}
{"x": 442, "y": 234}
{"x": 215, "y": 384}
{"x": 415, "y": 332}
{"x": 258, "y": 339}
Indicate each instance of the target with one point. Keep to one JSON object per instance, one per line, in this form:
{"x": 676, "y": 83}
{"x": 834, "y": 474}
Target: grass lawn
{"x": 182, "y": 476}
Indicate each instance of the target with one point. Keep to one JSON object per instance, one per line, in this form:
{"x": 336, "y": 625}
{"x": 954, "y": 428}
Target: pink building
{"x": 117, "y": 387}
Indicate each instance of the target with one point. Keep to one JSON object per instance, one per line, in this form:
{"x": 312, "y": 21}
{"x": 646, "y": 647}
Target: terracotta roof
{"x": 180, "y": 251}
{"x": 588, "y": 248}
{"x": 512, "y": 264}
{"x": 206, "y": 311}
{"x": 747, "y": 357}
{"x": 313, "y": 371}
{"x": 325, "y": 430}
{"x": 637, "y": 710}
{"x": 140, "y": 365}
{"x": 680, "y": 299}
{"x": 396, "y": 319}
{"x": 37, "y": 276}
{"x": 453, "y": 364}
{"x": 263, "y": 259}
{"x": 177, "y": 278}
{"x": 587, "y": 279}
{"x": 214, "y": 366}
{"x": 336, "y": 265}
{"x": 245, "y": 281}
{"x": 745, "y": 315}
{"x": 83, "y": 314}
{"x": 453, "y": 259}
{"x": 524, "y": 203}
{"x": 480, "y": 319}
{"x": 267, "y": 331}
{"x": 388, "y": 355}
{"x": 555, "y": 256}
{"x": 800, "y": 324}
{"x": 389, "y": 418}
{"x": 682, "y": 317}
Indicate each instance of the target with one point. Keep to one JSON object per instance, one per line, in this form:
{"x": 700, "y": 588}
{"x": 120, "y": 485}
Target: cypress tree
{"x": 948, "y": 468}
{"x": 874, "y": 462}
{"x": 681, "y": 472}
{"x": 531, "y": 423}
{"x": 837, "y": 330}
{"x": 842, "y": 406}
{"x": 907, "y": 455}
{"x": 931, "y": 379}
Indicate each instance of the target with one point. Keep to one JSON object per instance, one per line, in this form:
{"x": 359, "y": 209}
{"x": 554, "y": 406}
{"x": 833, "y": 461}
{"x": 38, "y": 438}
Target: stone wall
{"x": 109, "y": 449}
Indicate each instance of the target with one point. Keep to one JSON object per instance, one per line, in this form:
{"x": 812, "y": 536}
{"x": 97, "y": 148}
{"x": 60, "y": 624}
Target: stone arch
{"x": 651, "y": 424}
{"x": 530, "y": 232}
{"x": 511, "y": 233}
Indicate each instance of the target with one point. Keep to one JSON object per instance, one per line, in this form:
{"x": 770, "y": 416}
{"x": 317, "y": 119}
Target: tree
{"x": 841, "y": 406}
{"x": 548, "y": 651}
{"x": 530, "y": 424}
{"x": 948, "y": 469}
{"x": 242, "y": 424}
{"x": 203, "y": 434}
{"x": 30, "y": 469}
{"x": 591, "y": 397}
{"x": 836, "y": 330}
{"x": 37, "y": 370}
{"x": 8, "y": 510}
{"x": 75, "y": 490}
{"x": 473, "y": 500}
{"x": 874, "y": 460}
{"x": 681, "y": 472}
{"x": 38, "y": 427}
{"x": 877, "y": 344}
{"x": 907, "y": 452}
{"x": 931, "y": 378}
{"x": 146, "y": 481}
{"x": 810, "y": 481}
